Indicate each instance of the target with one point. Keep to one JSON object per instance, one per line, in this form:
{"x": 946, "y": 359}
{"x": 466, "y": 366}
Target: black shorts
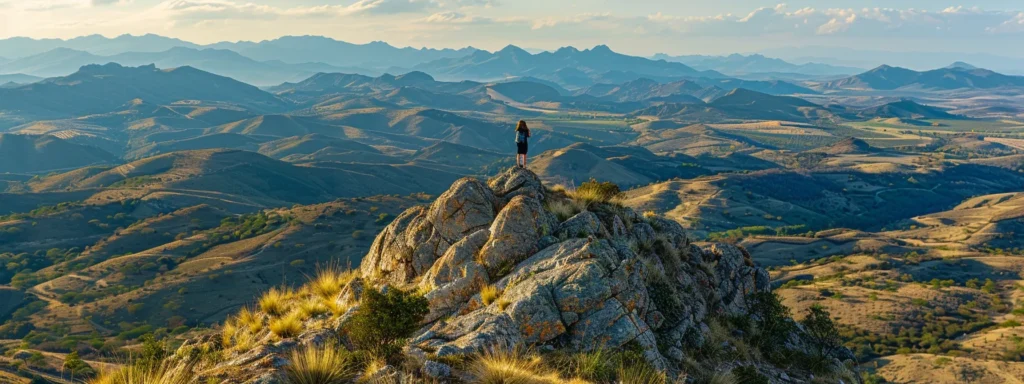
{"x": 521, "y": 148}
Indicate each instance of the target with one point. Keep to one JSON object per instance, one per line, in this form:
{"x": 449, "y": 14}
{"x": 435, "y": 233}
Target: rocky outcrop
{"x": 571, "y": 284}
{"x": 605, "y": 278}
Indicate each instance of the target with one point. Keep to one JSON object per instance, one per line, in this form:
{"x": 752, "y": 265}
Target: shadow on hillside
{"x": 960, "y": 270}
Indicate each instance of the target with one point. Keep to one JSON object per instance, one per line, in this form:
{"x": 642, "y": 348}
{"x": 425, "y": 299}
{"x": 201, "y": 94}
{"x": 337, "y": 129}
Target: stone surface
{"x": 584, "y": 224}
{"x": 605, "y": 278}
{"x": 515, "y": 234}
{"x": 517, "y": 182}
{"x": 435, "y": 370}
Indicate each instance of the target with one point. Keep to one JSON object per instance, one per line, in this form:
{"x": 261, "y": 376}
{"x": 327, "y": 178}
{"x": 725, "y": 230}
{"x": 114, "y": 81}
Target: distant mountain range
{"x": 303, "y": 49}
{"x": 1011, "y": 62}
{"x": 758, "y": 65}
{"x": 957, "y": 76}
{"x": 513, "y": 61}
{"x": 17, "y": 79}
{"x": 104, "y": 88}
{"x": 288, "y": 49}
{"x": 63, "y": 61}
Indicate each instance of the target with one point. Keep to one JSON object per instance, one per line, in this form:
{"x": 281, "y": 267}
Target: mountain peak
{"x": 512, "y": 50}
{"x": 961, "y": 65}
{"x": 602, "y": 49}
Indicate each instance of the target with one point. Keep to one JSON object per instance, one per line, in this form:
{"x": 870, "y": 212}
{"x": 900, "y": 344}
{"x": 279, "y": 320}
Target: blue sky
{"x": 634, "y": 26}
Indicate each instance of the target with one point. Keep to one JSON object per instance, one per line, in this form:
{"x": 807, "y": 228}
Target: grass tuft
{"x": 286, "y": 326}
{"x": 312, "y": 307}
{"x": 327, "y": 364}
{"x": 134, "y": 374}
{"x": 329, "y": 281}
{"x": 489, "y": 294}
{"x": 275, "y": 301}
{"x": 510, "y": 366}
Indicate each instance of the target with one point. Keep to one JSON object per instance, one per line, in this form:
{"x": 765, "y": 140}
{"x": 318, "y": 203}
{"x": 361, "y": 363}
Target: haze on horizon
{"x": 639, "y": 27}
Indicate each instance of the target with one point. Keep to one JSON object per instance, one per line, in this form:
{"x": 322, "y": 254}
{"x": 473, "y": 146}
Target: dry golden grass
{"x": 329, "y": 281}
{"x": 641, "y": 374}
{"x": 249, "y": 319}
{"x": 489, "y": 294}
{"x": 327, "y": 364}
{"x": 511, "y": 367}
{"x": 312, "y": 307}
{"x": 286, "y": 326}
{"x": 565, "y": 209}
{"x": 275, "y": 301}
{"x": 182, "y": 374}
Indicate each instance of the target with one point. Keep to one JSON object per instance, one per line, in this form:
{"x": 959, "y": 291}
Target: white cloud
{"x": 453, "y": 17}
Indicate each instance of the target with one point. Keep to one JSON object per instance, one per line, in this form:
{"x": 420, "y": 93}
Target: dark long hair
{"x": 522, "y": 126}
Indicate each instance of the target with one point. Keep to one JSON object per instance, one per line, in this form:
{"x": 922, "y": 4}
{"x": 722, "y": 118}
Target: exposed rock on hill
{"x": 573, "y": 277}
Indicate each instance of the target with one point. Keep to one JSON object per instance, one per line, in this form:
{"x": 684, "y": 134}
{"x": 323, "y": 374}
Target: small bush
{"x": 749, "y": 375}
{"x": 327, "y": 364}
{"x": 385, "y": 319}
{"x": 821, "y": 331}
{"x": 286, "y": 326}
{"x": 773, "y": 324}
{"x": 564, "y": 209}
{"x": 592, "y": 192}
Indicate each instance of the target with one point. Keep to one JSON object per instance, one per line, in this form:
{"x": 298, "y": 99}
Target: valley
{"x": 143, "y": 200}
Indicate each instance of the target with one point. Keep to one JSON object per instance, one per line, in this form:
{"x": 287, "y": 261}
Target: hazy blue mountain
{"x": 302, "y": 49}
{"x": 31, "y": 153}
{"x": 514, "y": 61}
{"x": 18, "y": 47}
{"x": 863, "y": 58}
{"x": 63, "y": 61}
{"x": 961, "y": 65}
{"x": 18, "y": 78}
{"x": 905, "y": 109}
{"x": 889, "y": 78}
{"x": 737, "y": 64}
{"x": 104, "y": 88}
{"x": 322, "y": 84}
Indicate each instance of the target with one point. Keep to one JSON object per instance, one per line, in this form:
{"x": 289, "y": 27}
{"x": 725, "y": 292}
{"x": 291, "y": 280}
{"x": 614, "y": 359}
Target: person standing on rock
{"x": 522, "y": 139}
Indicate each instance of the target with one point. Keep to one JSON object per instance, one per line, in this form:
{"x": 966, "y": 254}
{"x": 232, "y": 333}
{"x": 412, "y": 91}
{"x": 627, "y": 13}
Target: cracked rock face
{"x": 574, "y": 284}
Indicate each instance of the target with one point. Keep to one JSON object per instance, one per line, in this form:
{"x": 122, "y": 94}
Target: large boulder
{"x": 515, "y": 234}
{"x": 466, "y": 207}
{"x": 517, "y": 182}
{"x": 456, "y": 277}
{"x": 410, "y": 245}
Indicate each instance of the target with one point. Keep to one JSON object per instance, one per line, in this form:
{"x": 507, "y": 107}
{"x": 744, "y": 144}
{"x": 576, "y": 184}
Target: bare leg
{"x": 524, "y": 160}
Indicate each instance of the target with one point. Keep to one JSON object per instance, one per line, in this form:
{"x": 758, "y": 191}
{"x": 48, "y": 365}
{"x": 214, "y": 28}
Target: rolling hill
{"x": 905, "y": 109}
{"x": 625, "y": 166}
{"x": 957, "y": 77}
{"x": 741, "y": 104}
{"x": 103, "y": 88}
{"x": 38, "y": 154}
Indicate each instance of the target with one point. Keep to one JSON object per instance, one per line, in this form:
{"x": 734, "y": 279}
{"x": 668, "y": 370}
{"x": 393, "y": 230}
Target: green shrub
{"x": 385, "y": 319}
{"x": 749, "y": 375}
{"x": 821, "y": 331}
{"x": 772, "y": 322}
